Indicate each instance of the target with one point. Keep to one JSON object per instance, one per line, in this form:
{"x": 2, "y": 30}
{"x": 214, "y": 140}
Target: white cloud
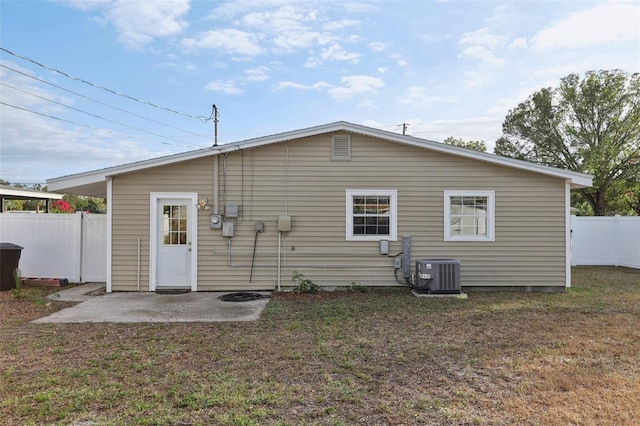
{"x": 257, "y": 74}
{"x": 291, "y": 85}
{"x": 355, "y": 85}
{"x": 481, "y": 45}
{"x": 138, "y": 23}
{"x": 226, "y": 87}
{"x": 335, "y": 52}
{"x": 418, "y": 97}
{"x": 350, "y": 86}
{"x": 288, "y": 26}
{"x": 473, "y": 80}
{"x": 226, "y": 41}
{"x": 519, "y": 43}
{"x": 377, "y": 46}
{"x": 604, "y": 23}
{"x": 339, "y": 25}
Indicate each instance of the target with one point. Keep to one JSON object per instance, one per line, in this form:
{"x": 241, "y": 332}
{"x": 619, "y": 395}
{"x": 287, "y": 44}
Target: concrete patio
{"x": 132, "y": 307}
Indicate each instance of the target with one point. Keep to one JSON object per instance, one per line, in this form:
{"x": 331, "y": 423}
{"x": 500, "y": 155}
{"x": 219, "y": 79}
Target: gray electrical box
{"x": 259, "y": 226}
{"x": 384, "y": 247}
{"x": 228, "y": 229}
{"x": 284, "y": 223}
{"x": 232, "y": 211}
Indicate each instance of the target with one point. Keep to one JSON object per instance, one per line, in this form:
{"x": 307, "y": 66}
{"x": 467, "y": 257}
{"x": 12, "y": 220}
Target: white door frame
{"x": 192, "y": 198}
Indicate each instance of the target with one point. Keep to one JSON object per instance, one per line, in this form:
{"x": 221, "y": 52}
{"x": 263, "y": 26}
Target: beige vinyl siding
{"x": 529, "y": 246}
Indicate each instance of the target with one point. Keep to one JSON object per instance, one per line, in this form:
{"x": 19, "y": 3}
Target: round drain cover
{"x": 242, "y": 297}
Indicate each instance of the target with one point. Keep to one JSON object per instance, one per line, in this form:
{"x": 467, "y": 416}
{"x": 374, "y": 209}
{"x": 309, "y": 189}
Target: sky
{"x": 88, "y": 84}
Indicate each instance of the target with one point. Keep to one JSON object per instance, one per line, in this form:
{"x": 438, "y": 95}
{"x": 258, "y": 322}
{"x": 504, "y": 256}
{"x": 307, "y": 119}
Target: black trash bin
{"x": 9, "y": 259}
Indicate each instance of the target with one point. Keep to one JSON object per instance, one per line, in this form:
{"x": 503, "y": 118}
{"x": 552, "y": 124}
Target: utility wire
{"x": 90, "y": 114}
{"x": 74, "y": 123}
{"x": 101, "y": 103}
{"x": 48, "y": 116}
{"x": 97, "y": 86}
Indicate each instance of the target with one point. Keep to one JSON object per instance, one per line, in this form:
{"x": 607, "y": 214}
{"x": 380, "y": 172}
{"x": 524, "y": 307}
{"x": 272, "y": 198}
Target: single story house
{"x": 335, "y": 203}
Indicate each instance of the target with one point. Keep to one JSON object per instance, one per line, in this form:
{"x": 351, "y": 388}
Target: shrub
{"x": 304, "y": 285}
{"x": 359, "y": 288}
{"x": 61, "y": 206}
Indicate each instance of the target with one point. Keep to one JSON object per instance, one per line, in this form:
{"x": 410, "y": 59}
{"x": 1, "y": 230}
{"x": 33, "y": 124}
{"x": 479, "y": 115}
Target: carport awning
{"x": 11, "y": 193}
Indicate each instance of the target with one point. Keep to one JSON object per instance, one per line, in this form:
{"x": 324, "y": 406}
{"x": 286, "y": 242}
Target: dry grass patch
{"x": 383, "y": 357}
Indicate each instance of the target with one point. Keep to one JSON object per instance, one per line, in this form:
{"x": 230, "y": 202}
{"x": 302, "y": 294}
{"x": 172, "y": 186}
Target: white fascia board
{"x": 82, "y": 180}
{"x": 24, "y": 193}
{"x": 94, "y": 182}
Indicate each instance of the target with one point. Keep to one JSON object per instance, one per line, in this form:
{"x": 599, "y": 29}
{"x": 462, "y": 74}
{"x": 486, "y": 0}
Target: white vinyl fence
{"x": 606, "y": 240}
{"x": 74, "y": 246}
{"x": 71, "y": 246}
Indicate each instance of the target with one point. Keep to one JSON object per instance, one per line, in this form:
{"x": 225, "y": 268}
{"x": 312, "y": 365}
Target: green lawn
{"x": 381, "y": 357}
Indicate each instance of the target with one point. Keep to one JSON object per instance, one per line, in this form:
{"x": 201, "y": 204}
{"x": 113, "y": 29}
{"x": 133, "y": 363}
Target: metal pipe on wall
{"x": 216, "y": 184}
{"x": 279, "y": 246}
{"x": 138, "y": 265}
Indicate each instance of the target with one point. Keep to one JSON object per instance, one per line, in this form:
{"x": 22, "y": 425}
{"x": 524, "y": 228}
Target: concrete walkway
{"x": 133, "y": 307}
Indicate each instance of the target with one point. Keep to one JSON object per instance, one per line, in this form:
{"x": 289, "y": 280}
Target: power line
{"x": 83, "y": 125}
{"x": 97, "y": 86}
{"x": 101, "y": 103}
{"x": 48, "y": 116}
{"x": 90, "y": 114}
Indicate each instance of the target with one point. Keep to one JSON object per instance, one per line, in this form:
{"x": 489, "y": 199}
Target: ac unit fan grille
{"x": 438, "y": 276}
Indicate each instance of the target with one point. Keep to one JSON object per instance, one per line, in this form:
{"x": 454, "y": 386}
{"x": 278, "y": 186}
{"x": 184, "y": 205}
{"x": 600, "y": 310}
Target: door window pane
{"x": 174, "y": 224}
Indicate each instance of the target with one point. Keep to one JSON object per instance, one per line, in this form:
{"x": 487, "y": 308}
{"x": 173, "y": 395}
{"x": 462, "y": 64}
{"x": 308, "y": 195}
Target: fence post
{"x": 78, "y": 242}
{"x": 573, "y": 226}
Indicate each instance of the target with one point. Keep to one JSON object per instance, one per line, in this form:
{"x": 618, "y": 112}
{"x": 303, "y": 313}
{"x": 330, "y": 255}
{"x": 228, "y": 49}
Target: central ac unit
{"x": 438, "y": 276}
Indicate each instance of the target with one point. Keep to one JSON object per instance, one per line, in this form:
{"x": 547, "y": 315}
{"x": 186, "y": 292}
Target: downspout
{"x": 279, "y": 246}
{"x": 567, "y": 220}
{"x": 138, "y": 277}
{"x": 216, "y": 184}
{"x": 286, "y": 207}
{"x": 109, "y": 230}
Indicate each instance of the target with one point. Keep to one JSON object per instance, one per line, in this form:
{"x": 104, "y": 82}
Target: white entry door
{"x": 173, "y": 234}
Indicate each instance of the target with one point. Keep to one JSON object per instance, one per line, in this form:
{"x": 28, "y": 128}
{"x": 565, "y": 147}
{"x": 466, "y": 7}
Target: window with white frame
{"x": 371, "y": 214}
{"x": 469, "y": 215}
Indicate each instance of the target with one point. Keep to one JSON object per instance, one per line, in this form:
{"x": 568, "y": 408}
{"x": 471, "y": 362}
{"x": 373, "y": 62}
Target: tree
{"x": 86, "y": 204}
{"x": 475, "y": 145}
{"x": 590, "y": 125}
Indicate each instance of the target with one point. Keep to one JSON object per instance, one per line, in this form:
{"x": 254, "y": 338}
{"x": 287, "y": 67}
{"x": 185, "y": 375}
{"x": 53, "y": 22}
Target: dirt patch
{"x": 18, "y": 307}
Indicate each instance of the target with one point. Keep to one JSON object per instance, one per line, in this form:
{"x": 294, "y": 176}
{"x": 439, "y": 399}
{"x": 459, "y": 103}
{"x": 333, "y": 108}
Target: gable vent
{"x": 341, "y": 147}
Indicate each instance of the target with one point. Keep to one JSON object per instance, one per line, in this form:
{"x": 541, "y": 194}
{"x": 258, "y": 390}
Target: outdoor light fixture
{"x": 203, "y": 203}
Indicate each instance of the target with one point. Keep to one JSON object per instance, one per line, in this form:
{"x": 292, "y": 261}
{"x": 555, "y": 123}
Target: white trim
{"x": 393, "y": 215}
{"x": 26, "y": 193}
{"x": 92, "y": 182}
{"x": 567, "y": 236}
{"x": 154, "y": 197}
{"x": 491, "y": 215}
{"x": 109, "y": 231}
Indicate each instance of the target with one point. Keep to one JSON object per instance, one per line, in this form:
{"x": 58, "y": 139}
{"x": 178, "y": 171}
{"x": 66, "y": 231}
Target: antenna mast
{"x": 215, "y": 116}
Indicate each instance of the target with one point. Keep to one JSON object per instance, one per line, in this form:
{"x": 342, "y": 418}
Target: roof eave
{"x": 95, "y": 183}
